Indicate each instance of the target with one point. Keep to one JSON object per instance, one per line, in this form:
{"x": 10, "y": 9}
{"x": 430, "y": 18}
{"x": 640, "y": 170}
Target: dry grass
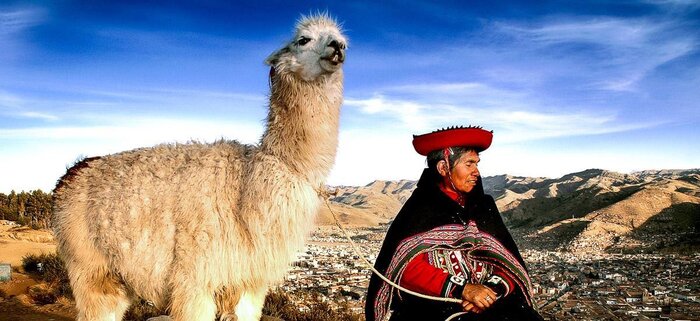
{"x": 278, "y": 304}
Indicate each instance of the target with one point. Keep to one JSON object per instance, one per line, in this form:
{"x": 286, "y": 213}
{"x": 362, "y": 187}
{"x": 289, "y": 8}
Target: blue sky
{"x": 565, "y": 85}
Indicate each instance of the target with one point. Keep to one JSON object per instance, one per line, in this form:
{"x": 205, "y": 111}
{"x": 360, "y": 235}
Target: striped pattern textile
{"x": 475, "y": 245}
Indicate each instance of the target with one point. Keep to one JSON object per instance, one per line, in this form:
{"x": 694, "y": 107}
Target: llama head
{"x": 317, "y": 49}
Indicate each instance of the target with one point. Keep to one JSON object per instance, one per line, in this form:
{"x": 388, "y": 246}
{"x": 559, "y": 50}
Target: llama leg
{"x": 98, "y": 296}
{"x": 250, "y": 306}
{"x": 192, "y": 304}
{"x": 226, "y": 301}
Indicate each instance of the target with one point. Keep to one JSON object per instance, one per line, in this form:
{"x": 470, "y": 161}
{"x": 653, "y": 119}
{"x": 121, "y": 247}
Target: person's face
{"x": 465, "y": 172}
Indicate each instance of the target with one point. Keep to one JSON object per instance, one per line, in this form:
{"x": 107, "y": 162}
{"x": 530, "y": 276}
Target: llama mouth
{"x": 335, "y": 59}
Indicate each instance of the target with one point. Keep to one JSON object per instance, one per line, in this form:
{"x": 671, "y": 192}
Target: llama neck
{"x": 302, "y": 124}
{"x": 280, "y": 203}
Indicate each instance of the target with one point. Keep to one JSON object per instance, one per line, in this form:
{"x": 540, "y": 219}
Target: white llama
{"x": 205, "y": 229}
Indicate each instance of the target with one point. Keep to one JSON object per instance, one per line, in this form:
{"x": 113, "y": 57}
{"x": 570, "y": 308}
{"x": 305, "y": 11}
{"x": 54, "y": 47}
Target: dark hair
{"x": 437, "y": 155}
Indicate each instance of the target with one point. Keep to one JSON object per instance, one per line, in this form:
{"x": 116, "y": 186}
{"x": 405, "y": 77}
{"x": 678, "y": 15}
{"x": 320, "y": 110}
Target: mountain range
{"x": 589, "y": 211}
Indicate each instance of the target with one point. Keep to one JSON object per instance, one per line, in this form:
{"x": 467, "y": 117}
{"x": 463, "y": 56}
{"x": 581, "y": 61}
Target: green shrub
{"x": 52, "y": 268}
{"x": 52, "y": 271}
{"x": 30, "y": 262}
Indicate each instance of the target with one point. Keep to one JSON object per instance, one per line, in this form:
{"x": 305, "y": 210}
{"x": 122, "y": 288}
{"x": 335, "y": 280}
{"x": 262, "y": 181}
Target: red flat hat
{"x": 475, "y": 137}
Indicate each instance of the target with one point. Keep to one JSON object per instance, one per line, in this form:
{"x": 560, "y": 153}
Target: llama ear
{"x": 274, "y": 58}
{"x": 271, "y": 79}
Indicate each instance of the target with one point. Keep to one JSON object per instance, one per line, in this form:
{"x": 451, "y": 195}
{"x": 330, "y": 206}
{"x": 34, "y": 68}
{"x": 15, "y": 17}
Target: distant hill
{"x": 591, "y": 210}
{"x": 370, "y": 205}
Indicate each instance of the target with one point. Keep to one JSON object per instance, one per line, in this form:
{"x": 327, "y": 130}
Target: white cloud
{"x": 56, "y": 131}
{"x": 446, "y": 88}
{"x": 33, "y": 114}
{"x": 15, "y": 106}
{"x": 608, "y": 31}
{"x": 638, "y": 62}
{"x": 141, "y": 131}
{"x": 34, "y": 158}
{"x": 619, "y": 52}
{"x": 103, "y": 106}
{"x": 409, "y": 113}
{"x": 514, "y": 115}
{"x": 534, "y": 162}
{"x": 8, "y": 100}
{"x": 376, "y": 153}
{"x": 676, "y": 5}
{"x": 32, "y": 171}
{"x": 365, "y": 155}
{"x": 12, "y": 21}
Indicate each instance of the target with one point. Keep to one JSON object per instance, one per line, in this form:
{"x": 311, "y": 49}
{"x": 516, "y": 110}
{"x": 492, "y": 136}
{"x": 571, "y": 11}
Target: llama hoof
{"x": 228, "y": 317}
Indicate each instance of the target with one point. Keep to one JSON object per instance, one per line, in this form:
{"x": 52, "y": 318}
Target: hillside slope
{"x": 591, "y": 210}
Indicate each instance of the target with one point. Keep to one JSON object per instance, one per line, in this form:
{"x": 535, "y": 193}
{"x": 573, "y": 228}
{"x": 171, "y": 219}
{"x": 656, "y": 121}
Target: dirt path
{"x": 18, "y": 241}
{"x": 15, "y": 305}
{"x": 14, "y": 309}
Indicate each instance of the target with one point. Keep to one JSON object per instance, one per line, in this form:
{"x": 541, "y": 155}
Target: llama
{"x": 206, "y": 229}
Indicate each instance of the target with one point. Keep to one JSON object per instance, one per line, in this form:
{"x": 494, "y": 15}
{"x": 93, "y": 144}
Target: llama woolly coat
{"x": 205, "y": 229}
{"x": 431, "y": 220}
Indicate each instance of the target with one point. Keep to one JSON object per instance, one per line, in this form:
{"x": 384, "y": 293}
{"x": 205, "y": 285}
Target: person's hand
{"x": 470, "y": 307}
{"x": 477, "y": 298}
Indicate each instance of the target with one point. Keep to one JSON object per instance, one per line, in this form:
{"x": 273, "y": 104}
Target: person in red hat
{"x": 448, "y": 240}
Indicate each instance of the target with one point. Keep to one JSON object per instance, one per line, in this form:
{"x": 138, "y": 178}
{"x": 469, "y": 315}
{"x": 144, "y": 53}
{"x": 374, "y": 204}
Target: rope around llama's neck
{"x": 325, "y": 195}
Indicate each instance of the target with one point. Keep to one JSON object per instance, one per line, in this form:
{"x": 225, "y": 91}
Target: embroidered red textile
{"x": 424, "y": 278}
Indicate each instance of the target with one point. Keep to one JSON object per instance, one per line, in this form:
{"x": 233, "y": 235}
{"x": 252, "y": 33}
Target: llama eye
{"x": 302, "y": 41}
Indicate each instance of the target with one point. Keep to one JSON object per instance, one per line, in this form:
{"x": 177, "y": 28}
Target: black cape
{"x": 428, "y": 208}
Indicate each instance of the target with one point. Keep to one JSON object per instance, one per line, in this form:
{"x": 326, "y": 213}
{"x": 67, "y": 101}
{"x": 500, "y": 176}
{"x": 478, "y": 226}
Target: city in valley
{"x": 567, "y": 286}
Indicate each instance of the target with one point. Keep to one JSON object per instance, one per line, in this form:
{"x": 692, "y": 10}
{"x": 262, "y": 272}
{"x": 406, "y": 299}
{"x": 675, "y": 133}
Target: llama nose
{"x": 335, "y": 45}
{"x": 338, "y": 50}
